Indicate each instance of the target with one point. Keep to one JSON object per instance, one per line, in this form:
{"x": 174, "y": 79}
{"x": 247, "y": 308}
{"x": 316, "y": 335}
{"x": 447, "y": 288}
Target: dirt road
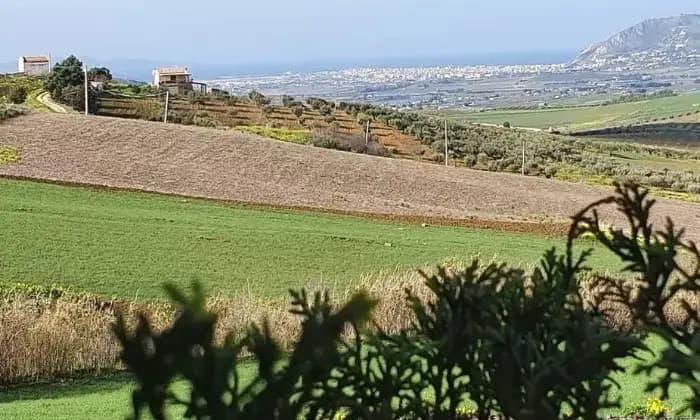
{"x": 46, "y": 100}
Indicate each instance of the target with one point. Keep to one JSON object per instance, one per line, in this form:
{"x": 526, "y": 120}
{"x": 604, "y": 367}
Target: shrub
{"x": 287, "y": 100}
{"x": 331, "y": 139}
{"x": 258, "y": 98}
{"x": 653, "y": 408}
{"x": 18, "y": 95}
{"x": 8, "y": 154}
{"x": 523, "y": 345}
{"x": 298, "y": 110}
{"x": 11, "y": 111}
{"x": 74, "y": 96}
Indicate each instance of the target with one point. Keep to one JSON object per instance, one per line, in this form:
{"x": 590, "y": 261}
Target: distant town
{"x": 469, "y": 87}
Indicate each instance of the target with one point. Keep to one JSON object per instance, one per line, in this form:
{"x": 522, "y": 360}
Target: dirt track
{"x": 244, "y": 168}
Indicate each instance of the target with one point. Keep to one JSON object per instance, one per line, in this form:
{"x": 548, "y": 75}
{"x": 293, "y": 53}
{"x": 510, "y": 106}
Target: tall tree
{"x": 99, "y": 74}
{"x": 68, "y": 72}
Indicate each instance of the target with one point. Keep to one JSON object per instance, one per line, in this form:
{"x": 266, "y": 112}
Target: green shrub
{"x": 8, "y": 154}
{"x": 298, "y": 111}
{"x": 332, "y": 139}
{"x": 11, "y": 111}
{"x": 488, "y": 340}
{"x": 258, "y": 98}
{"x": 18, "y": 95}
{"x": 653, "y": 408}
{"x": 16, "y": 290}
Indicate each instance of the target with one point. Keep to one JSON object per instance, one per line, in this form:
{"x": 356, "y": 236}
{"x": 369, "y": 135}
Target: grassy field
{"x": 109, "y": 398}
{"x": 103, "y": 398}
{"x": 282, "y": 134}
{"x": 582, "y": 118}
{"x": 128, "y": 244}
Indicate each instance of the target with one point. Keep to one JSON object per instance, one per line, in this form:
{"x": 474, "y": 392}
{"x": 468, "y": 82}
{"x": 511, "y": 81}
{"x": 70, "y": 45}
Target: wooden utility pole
{"x": 446, "y": 143}
{"x": 522, "y": 168}
{"x": 367, "y": 134}
{"x": 87, "y": 105}
{"x": 167, "y": 103}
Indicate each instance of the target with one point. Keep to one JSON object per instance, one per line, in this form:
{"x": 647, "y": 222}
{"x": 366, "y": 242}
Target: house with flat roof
{"x": 35, "y": 66}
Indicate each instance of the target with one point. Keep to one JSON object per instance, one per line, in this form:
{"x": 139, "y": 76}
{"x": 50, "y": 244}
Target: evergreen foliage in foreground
{"x": 491, "y": 340}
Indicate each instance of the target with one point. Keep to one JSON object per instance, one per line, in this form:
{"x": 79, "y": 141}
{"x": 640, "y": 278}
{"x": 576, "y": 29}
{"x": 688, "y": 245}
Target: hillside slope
{"x": 228, "y": 165}
{"x": 670, "y": 41}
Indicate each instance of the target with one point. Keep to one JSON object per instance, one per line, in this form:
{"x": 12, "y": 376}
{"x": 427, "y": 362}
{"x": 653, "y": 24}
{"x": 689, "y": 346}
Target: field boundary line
{"x": 553, "y": 229}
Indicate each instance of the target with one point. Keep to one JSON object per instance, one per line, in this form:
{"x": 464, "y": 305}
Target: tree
{"x": 68, "y": 72}
{"x": 258, "y": 98}
{"x": 18, "y": 95}
{"x": 287, "y": 100}
{"x": 506, "y": 124}
{"x": 99, "y": 74}
{"x": 298, "y": 110}
{"x": 325, "y": 110}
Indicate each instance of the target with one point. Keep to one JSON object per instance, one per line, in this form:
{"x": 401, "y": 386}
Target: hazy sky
{"x": 254, "y": 31}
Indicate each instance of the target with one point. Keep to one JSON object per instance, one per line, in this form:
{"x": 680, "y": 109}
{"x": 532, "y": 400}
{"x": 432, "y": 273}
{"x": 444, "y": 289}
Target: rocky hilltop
{"x": 654, "y": 43}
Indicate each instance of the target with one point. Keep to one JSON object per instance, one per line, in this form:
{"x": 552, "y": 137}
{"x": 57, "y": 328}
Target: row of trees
{"x": 500, "y": 149}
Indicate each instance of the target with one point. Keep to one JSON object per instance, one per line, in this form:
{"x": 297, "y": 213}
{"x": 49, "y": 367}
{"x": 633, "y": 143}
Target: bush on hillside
{"x": 287, "y": 100}
{"x": 18, "y": 95}
{"x": 74, "y": 96}
{"x": 332, "y": 139}
{"x": 492, "y": 338}
{"x": 8, "y": 111}
{"x": 298, "y": 110}
{"x": 258, "y": 98}
{"x": 318, "y": 103}
{"x": 325, "y": 110}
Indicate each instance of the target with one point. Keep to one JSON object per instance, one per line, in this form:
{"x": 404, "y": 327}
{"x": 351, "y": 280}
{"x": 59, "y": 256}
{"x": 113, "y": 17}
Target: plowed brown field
{"x": 233, "y": 166}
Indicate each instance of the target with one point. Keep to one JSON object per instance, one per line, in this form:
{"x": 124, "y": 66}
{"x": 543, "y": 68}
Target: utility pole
{"x": 167, "y": 102}
{"x": 522, "y": 168}
{"x": 87, "y": 105}
{"x": 445, "y": 142}
{"x": 367, "y": 134}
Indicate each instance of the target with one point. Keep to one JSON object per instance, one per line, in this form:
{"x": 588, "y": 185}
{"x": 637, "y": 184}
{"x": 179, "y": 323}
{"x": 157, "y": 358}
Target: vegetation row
{"x": 485, "y": 340}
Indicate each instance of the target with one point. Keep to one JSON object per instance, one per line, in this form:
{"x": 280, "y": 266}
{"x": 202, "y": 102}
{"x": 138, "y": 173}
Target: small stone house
{"x": 177, "y": 80}
{"x": 35, "y": 66}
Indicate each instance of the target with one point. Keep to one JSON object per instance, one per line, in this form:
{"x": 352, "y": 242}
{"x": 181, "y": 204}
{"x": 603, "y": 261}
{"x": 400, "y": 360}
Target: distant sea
{"x": 137, "y": 69}
{"x": 501, "y": 58}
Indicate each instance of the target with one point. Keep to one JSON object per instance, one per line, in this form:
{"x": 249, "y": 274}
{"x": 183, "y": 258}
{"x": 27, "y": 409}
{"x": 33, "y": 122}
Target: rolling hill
{"x": 234, "y": 166}
{"x": 671, "y": 41}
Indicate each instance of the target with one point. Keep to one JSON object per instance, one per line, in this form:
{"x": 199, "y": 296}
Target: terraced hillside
{"x": 215, "y": 112}
{"x": 227, "y": 165}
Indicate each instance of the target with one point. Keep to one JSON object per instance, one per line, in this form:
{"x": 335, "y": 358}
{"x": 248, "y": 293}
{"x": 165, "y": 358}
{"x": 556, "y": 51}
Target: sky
{"x": 283, "y": 31}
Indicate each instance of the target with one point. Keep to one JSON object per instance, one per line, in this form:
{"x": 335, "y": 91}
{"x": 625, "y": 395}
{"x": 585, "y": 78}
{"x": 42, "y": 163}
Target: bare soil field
{"x": 239, "y": 167}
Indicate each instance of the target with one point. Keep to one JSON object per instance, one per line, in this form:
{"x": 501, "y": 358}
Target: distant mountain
{"x": 654, "y": 43}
